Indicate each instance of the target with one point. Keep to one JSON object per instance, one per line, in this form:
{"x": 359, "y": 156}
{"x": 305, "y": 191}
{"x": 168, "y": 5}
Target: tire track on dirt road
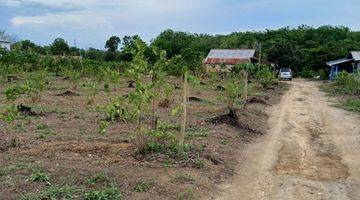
{"x": 312, "y": 151}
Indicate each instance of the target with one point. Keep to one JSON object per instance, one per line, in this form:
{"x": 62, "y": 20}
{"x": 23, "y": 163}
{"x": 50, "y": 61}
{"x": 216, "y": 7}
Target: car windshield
{"x": 285, "y": 70}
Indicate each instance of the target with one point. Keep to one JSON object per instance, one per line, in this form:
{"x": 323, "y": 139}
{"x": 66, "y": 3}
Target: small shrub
{"x": 108, "y": 193}
{"x": 352, "y": 105}
{"x": 39, "y": 176}
{"x": 98, "y": 178}
{"x": 143, "y": 186}
{"x": 51, "y": 192}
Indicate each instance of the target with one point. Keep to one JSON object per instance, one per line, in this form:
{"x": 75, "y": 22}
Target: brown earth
{"x": 312, "y": 151}
{"x": 65, "y": 143}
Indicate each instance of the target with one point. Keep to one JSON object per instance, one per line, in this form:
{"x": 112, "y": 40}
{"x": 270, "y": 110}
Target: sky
{"x": 92, "y": 22}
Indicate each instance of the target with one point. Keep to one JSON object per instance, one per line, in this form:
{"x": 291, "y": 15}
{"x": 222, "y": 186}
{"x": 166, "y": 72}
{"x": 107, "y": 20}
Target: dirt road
{"x": 312, "y": 151}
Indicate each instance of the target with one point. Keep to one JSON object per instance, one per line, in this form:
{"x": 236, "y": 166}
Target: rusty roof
{"x": 232, "y": 53}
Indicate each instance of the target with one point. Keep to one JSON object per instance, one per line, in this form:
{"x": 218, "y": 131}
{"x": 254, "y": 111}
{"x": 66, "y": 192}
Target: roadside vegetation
{"x": 346, "y": 88}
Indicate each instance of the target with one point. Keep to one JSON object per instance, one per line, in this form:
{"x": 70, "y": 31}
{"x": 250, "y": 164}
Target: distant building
{"x": 5, "y": 44}
{"x": 351, "y": 64}
{"x": 222, "y": 60}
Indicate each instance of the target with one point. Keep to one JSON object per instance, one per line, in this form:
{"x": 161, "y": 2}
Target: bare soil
{"x": 65, "y": 143}
{"x": 311, "y": 151}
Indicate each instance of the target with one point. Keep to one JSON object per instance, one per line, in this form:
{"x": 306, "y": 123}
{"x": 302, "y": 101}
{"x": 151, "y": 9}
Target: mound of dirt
{"x": 26, "y": 110}
{"x": 220, "y": 88}
{"x": 258, "y": 100}
{"x": 165, "y": 103}
{"x": 195, "y": 99}
{"x": 68, "y": 94}
{"x": 233, "y": 120}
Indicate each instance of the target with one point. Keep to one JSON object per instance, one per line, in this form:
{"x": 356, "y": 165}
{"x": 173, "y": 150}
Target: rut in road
{"x": 312, "y": 151}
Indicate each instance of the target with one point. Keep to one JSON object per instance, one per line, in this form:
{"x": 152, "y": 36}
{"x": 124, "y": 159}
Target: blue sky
{"x": 91, "y": 22}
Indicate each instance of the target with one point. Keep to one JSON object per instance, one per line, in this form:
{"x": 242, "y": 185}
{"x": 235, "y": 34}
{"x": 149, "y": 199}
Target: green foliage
{"x": 108, "y": 193}
{"x": 308, "y": 73}
{"x": 233, "y": 89}
{"x": 10, "y": 116}
{"x": 98, "y": 178}
{"x": 103, "y": 126}
{"x": 51, "y": 192}
{"x": 118, "y": 109}
{"x": 13, "y": 92}
{"x": 143, "y": 186}
{"x": 35, "y": 83}
{"x": 265, "y": 77}
{"x": 352, "y": 104}
{"x": 59, "y": 47}
{"x": 39, "y": 175}
{"x": 348, "y": 83}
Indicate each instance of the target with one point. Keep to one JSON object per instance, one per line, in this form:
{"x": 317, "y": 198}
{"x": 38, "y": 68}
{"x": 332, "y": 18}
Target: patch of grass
{"x": 39, "y": 175}
{"x": 51, "y": 192}
{"x": 98, "y": 178}
{"x": 188, "y": 195}
{"x": 199, "y": 163}
{"x": 352, "y": 105}
{"x": 182, "y": 178}
{"x": 42, "y": 126}
{"x": 143, "y": 186}
{"x": 45, "y": 134}
{"x": 196, "y": 132}
{"x": 107, "y": 193}
{"x": 11, "y": 168}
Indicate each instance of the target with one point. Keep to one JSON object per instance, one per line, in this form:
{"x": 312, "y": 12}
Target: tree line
{"x": 305, "y": 49}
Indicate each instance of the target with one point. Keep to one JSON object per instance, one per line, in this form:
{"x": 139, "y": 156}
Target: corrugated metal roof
{"x": 355, "y": 55}
{"x": 336, "y": 62}
{"x": 231, "y": 53}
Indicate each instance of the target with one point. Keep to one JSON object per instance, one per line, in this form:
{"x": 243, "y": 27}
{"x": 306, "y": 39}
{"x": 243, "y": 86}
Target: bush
{"x": 308, "y": 73}
{"x": 109, "y": 193}
{"x": 265, "y": 78}
{"x": 348, "y": 83}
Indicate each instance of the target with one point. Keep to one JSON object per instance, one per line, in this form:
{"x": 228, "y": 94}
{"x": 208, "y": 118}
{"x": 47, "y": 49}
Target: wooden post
{"x": 245, "y": 88}
{"x": 184, "y": 106}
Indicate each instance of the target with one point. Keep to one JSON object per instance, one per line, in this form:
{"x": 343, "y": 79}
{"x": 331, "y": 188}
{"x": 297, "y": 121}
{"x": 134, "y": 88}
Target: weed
{"x": 42, "y": 126}
{"x": 197, "y": 132}
{"x": 352, "y": 105}
{"x": 182, "y": 178}
{"x": 51, "y": 192}
{"x": 188, "y": 195}
{"x": 107, "y": 193}
{"x": 97, "y": 179}
{"x": 103, "y": 126}
{"x": 199, "y": 163}
{"x": 143, "y": 186}
{"x": 39, "y": 175}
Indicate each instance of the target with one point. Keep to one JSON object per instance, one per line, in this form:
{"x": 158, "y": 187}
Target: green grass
{"x": 107, "y": 193}
{"x": 143, "y": 186}
{"x": 182, "y": 178}
{"x": 352, "y": 105}
{"x": 51, "y": 192}
{"x": 11, "y": 168}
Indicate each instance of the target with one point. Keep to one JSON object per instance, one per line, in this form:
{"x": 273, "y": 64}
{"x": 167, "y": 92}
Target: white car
{"x": 285, "y": 73}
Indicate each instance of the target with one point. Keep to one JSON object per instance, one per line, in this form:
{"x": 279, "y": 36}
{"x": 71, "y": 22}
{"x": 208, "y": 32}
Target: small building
{"x": 351, "y": 64}
{"x": 356, "y": 56}
{"x": 5, "y": 44}
{"x": 222, "y": 60}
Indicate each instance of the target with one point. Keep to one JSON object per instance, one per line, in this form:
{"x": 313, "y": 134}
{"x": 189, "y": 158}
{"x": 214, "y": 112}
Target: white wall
{"x": 5, "y": 45}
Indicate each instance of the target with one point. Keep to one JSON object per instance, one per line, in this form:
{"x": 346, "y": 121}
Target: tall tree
{"x": 59, "y": 47}
{"x": 112, "y": 44}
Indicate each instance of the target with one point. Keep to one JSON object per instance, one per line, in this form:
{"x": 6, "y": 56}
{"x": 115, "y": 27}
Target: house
{"x": 350, "y": 64}
{"x": 5, "y": 44}
{"x": 222, "y": 60}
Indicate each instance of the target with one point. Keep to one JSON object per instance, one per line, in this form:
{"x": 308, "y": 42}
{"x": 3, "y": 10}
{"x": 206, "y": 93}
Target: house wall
{"x": 5, "y": 45}
{"x": 218, "y": 67}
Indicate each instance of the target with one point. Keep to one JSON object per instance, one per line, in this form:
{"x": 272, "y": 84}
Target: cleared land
{"x": 56, "y": 150}
{"x": 312, "y": 151}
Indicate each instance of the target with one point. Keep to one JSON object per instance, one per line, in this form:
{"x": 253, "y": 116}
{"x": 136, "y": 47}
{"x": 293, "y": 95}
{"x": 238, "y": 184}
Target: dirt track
{"x": 312, "y": 151}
